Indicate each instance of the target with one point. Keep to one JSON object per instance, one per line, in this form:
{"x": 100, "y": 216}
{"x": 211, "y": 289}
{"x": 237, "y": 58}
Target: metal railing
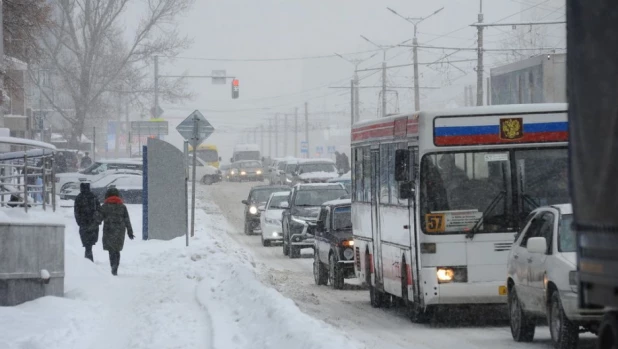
{"x": 27, "y": 177}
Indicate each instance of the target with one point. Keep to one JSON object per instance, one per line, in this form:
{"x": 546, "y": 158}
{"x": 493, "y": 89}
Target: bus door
{"x": 414, "y": 246}
{"x": 375, "y": 219}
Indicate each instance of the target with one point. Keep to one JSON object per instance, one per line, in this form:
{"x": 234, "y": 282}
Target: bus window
{"x": 461, "y": 187}
{"x": 542, "y": 178}
{"x": 357, "y": 180}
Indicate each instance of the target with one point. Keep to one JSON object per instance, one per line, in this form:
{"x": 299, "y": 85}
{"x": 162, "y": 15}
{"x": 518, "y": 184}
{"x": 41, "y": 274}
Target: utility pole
{"x": 415, "y": 21}
{"x": 262, "y": 138}
{"x": 307, "y": 129}
{"x": 355, "y": 89}
{"x": 156, "y": 85}
{"x": 384, "y": 88}
{"x": 296, "y": 132}
{"x": 352, "y": 102}
{"x": 285, "y": 134}
{"x": 276, "y": 136}
{"x": 270, "y": 138}
{"x": 479, "y": 67}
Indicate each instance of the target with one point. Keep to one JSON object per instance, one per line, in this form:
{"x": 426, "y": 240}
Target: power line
{"x": 267, "y": 59}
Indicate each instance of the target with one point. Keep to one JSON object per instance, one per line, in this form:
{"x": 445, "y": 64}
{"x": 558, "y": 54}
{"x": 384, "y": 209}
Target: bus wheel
{"x": 377, "y": 298}
{"x": 608, "y": 332}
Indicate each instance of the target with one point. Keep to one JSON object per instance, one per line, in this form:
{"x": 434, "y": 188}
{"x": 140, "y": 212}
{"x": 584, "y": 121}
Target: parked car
{"x": 96, "y": 171}
{"x": 205, "y": 173}
{"x": 346, "y": 180}
{"x": 247, "y": 170}
{"x": 71, "y": 190}
{"x": 302, "y": 208}
{"x": 270, "y": 217}
{"x": 541, "y": 280}
{"x": 130, "y": 188}
{"x": 314, "y": 171}
{"x": 333, "y": 258}
{"x": 257, "y": 197}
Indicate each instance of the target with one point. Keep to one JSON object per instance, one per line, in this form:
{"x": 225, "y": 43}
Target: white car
{"x": 542, "y": 280}
{"x": 72, "y": 189}
{"x": 96, "y": 171}
{"x": 270, "y": 219}
{"x": 204, "y": 173}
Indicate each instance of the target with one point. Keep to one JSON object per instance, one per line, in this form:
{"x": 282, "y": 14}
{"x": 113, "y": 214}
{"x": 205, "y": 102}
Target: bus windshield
{"x": 462, "y": 191}
{"x": 208, "y": 155}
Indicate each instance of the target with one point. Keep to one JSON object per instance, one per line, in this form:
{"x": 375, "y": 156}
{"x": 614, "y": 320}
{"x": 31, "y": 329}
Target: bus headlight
{"x": 445, "y": 275}
{"x": 253, "y": 210}
{"x": 452, "y": 274}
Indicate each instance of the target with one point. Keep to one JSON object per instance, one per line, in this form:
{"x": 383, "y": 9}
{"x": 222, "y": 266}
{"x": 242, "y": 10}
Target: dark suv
{"x": 258, "y": 197}
{"x": 333, "y": 258}
{"x": 303, "y": 208}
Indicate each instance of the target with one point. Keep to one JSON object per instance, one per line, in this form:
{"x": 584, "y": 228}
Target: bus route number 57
{"x": 435, "y": 223}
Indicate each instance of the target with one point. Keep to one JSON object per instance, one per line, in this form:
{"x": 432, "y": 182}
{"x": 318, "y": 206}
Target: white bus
{"x": 438, "y": 198}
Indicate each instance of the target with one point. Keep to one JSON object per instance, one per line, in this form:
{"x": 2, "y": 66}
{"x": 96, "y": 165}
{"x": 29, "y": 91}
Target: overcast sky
{"x": 274, "y": 29}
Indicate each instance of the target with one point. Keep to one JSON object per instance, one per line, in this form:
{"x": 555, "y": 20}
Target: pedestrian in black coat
{"x": 86, "y": 208}
{"x": 116, "y": 221}
{"x": 86, "y": 161}
{"x": 345, "y": 163}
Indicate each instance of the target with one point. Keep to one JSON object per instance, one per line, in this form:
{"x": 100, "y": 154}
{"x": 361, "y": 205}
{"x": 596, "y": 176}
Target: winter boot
{"x": 88, "y": 253}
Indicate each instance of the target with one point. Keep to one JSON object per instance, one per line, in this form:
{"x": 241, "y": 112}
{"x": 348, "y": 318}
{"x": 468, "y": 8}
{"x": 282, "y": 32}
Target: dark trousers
{"x": 114, "y": 261}
{"x": 88, "y": 253}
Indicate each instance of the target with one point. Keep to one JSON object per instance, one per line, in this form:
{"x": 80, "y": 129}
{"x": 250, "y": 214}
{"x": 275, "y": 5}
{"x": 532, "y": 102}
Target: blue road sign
{"x": 304, "y": 147}
{"x": 319, "y": 149}
{"x": 331, "y": 149}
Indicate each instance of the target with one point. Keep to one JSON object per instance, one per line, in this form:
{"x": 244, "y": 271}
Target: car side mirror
{"x": 284, "y": 205}
{"x": 402, "y": 164}
{"x": 406, "y": 190}
{"x": 245, "y": 202}
{"x": 537, "y": 245}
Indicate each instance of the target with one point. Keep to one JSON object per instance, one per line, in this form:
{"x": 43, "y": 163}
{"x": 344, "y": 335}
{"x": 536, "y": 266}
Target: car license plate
{"x": 502, "y": 290}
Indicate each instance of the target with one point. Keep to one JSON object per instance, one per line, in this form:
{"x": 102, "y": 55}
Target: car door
{"x": 520, "y": 260}
{"x": 537, "y": 268}
{"x": 321, "y": 234}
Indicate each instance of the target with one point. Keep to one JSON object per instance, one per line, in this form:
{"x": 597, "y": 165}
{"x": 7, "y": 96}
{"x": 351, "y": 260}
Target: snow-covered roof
{"x": 312, "y": 161}
{"x": 564, "y": 208}
{"x": 307, "y": 186}
{"x": 321, "y": 174}
{"x": 34, "y": 216}
{"x": 26, "y": 142}
{"x": 338, "y": 202}
{"x": 281, "y": 193}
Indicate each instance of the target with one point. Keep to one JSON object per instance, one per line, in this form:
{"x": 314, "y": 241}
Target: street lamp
{"x": 415, "y": 22}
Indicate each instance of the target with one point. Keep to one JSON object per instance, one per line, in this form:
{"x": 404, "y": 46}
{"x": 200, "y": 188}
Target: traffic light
{"x": 235, "y": 89}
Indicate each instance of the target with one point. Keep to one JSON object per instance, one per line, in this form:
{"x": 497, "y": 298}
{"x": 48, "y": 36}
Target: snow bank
{"x": 35, "y": 215}
{"x": 247, "y": 313}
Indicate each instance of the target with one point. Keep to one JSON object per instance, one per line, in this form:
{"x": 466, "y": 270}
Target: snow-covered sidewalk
{"x": 166, "y": 296}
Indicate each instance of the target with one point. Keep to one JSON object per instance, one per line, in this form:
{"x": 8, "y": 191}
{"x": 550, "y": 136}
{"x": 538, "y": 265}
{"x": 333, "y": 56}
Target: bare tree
{"x": 86, "y": 51}
{"x": 23, "y": 22}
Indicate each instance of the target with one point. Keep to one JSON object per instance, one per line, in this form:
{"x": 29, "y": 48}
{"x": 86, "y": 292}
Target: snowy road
{"x": 349, "y": 310}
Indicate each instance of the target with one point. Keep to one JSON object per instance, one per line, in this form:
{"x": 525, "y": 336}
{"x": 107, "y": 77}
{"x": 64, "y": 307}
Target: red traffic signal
{"x": 235, "y": 89}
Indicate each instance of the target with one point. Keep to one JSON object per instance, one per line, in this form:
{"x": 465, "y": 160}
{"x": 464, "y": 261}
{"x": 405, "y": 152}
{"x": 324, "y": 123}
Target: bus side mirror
{"x": 406, "y": 190}
{"x": 402, "y": 165}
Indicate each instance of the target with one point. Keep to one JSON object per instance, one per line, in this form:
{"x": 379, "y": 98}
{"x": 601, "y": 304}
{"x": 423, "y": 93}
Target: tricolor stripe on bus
{"x": 533, "y": 132}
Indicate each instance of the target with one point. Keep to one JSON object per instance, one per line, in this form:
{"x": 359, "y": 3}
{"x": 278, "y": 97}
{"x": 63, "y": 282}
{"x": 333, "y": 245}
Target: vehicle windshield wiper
{"x": 488, "y": 209}
{"x": 527, "y": 198}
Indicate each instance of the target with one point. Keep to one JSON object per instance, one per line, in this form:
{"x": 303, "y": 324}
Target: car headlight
{"x": 275, "y": 234}
{"x": 253, "y": 210}
{"x": 232, "y": 172}
{"x": 258, "y": 172}
{"x": 242, "y": 173}
{"x": 348, "y": 254}
{"x": 287, "y": 180}
{"x": 273, "y": 221}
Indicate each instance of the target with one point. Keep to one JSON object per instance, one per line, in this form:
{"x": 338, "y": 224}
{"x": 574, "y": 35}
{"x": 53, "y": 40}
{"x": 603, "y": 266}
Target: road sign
{"x": 304, "y": 147}
{"x": 331, "y": 149}
{"x": 195, "y": 128}
{"x": 149, "y": 128}
{"x": 156, "y": 114}
{"x": 319, "y": 149}
{"x": 218, "y": 77}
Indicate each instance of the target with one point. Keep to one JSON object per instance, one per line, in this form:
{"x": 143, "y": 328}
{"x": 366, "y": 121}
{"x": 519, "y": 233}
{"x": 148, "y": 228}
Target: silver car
{"x": 542, "y": 281}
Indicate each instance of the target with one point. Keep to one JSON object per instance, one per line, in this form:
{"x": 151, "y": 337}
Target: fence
{"x": 27, "y": 174}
